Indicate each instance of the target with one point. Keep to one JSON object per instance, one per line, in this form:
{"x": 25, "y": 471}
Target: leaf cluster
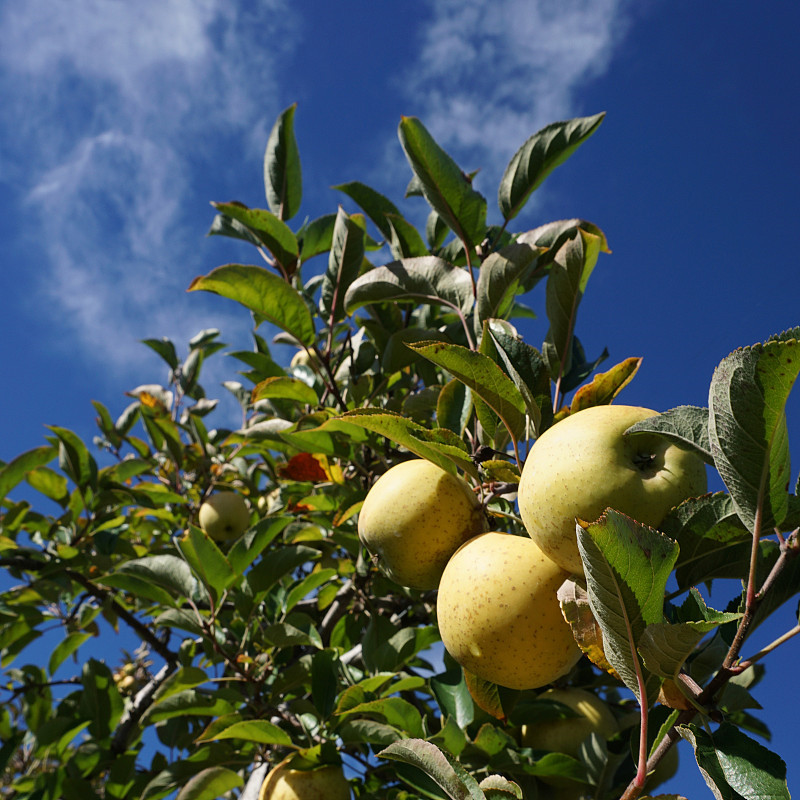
{"x": 289, "y": 642}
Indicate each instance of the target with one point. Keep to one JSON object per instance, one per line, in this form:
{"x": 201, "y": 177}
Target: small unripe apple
{"x": 499, "y": 615}
{"x": 414, "y": 518}
{"x": 323, "y": 783}
{"x": 566, "y": 734}
{"x": 583, "y": 465}
{"x": 224, "y": 516}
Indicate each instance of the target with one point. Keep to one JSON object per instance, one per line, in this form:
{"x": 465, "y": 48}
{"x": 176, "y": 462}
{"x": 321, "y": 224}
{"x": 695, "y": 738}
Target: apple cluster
{"x": 497, "y": 606}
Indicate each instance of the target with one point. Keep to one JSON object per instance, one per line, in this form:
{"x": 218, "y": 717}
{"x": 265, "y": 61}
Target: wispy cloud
{"x": 116, "y": 114}
{"x": 114, "y": 108}
{"x": 489, "y": 74}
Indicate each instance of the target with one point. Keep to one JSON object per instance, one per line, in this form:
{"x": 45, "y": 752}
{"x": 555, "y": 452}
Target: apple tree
{"x": 151, "y": 649}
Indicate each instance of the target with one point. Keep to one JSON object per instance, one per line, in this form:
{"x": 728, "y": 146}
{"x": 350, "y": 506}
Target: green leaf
{"x": 526, "y": 368}
{"x": 282, "y": 174}
{"x": 167, "y": 571}
{"x": 440, "y": 446}
{"x": 686, "y": 426}
{"x": 50, "y": 483}
{"x": 285, "y": 388}
{"x": 429, "y": 280}
{"x": 65, "y": 648}
{"x": 263, "y": 293}
{"x": 454, "y": 406}
{"x": 538, "y": 157}
{"x": 484, "y": 378}
{"x": 504, "y": 275}
{"x": 713, "y": 540}
{"x": 451, "y": 693}
{"x": 375, "y": 205}
{"x": 188, "y": 702}
{"x": 250, "y": 546}
{"x": 405, "y": 241}
{"x": 440, "y": 766}
{"x": 627, "y": 567}
{"x": 735, "y": 766}
{"x": 257, "y": 730}
{"x": 276, "y": 235}
{"x": 206, "y": 561}
{"x": 664, "y": 646}
{"x": 747, "y": 427}
{"x": 445, "y": 187}
{"x": 566, "y": 282}
{"x": 210, "y": 784}
{"x": 344, "y": 264}
{"x": 308, "y": 585}
{"x": 180, "y": 680}
{"x": 165, "y": 348}
{"x": 324, "y": 681}
{"x": 316, "y": 237}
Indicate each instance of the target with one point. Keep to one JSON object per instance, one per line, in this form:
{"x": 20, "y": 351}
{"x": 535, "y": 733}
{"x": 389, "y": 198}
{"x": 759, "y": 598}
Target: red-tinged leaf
{"x": 485, "y": 695}
{"x": 303, "y": 467}
{"x": 578, "y": 613}
{"x": 605, "y": 386}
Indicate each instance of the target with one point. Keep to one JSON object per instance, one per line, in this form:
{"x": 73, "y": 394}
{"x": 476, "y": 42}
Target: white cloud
{"x": 114, "y": 107}
{"x": 492, "y": 73}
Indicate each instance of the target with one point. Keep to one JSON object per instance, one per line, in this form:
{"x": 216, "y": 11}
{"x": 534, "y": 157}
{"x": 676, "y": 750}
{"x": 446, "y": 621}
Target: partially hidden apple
{"x": 565, "y": 734}
{"x": 415, "y": 516}
{"x": 583, "y": 465}
{"x": 322, "y": 783}
{"x": 499, "y": 615}
{"x": 224, "y": 516}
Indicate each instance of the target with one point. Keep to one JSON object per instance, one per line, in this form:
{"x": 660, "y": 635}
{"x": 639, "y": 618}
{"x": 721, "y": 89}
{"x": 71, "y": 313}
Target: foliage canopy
{"x": 289, "y": 642}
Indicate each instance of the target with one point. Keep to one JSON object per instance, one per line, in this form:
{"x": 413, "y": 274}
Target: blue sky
{"x": 121, "y": 121}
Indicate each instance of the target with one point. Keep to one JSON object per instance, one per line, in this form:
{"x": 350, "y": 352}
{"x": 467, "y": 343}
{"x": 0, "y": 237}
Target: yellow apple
{"x": 583, "y": 465}
{"x": 498, "y": 612}
{"x": 565, "y": 735}
{"x": 323, "y": 783}
{"x": 414, "y": 518}
{"x": 224, "y": 516}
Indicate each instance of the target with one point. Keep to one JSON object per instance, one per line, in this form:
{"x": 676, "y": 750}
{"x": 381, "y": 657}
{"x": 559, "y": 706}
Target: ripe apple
{"x": 565, "y": 735}
{"x": 323, "y": 783}
{"x": 414, "y": 518}
{"x": 498, "y": 612}
{"x": 224, "y": 516}
{"x": 583, "y": 465}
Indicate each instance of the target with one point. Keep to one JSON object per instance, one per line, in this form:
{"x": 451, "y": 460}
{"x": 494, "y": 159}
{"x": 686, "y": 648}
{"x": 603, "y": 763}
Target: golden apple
{"x": 583, "y": 465}
{"x": 498, "y": 612}
{"x": 565, "y": 735}
{"x": 224, "y": 516}
{"x": 414, "y": 518}
{"x": 323, "y": 783}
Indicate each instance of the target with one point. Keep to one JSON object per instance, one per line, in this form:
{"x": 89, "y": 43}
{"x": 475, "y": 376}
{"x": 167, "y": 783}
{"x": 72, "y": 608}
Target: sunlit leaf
{"x": 442, "y": 768}
{"x": 445, "y": 186}
{"x": 747, "y": 427}
{"x": 538, "y": 157}
{"x": 263, "y": 293}
{"x": 627, "y": 567}
{"x": 282, "y": 174}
